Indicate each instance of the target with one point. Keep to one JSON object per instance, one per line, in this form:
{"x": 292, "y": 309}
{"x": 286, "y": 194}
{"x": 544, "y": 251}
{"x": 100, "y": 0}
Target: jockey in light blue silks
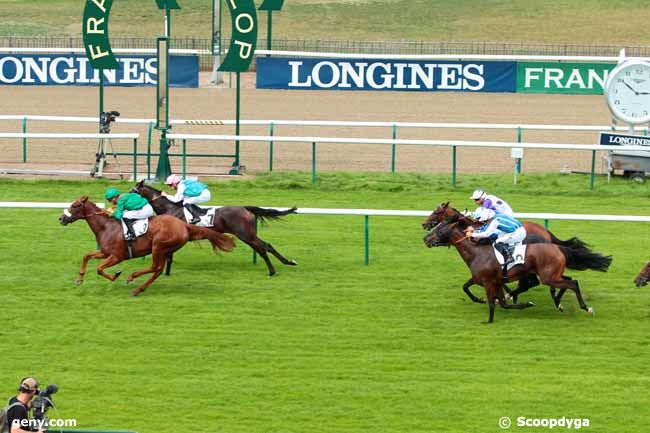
{"x": 507, "y": 230}
{"x": 191, "y": 193}
{"x": 493, "y": 202}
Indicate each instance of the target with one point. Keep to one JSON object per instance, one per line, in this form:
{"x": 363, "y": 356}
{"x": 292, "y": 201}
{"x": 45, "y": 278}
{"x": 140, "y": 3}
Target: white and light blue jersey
{"x": 501, "y": 223}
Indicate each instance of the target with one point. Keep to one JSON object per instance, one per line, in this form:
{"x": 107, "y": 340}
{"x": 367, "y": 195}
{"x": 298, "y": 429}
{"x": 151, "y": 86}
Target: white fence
{"x": 367, "y": 213}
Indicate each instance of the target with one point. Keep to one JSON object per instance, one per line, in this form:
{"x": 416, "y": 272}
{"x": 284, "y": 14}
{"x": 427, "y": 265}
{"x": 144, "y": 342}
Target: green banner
{"x": 95, "y": 34}
{"x": 244, "y": 36}
{"x": 271, "y": 5}
{"x": 556, "y": 77}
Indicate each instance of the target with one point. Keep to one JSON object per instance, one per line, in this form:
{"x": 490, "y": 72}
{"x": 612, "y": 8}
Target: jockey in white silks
{"x": 191, "y": 193}
{"x": 506, "y": 231}
{"x": 493, "y": 202}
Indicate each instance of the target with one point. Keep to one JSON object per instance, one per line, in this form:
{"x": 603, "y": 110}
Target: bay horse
{"x": 533, "y": 230}
{"x": 165, "y": 235}
{"x": 547, "y": 261}
{"x": 238, "y": 220}
{"x": 643, "y": 277}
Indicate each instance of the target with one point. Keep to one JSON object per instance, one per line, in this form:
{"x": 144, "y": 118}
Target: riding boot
{"x": 503, "y": 249}
{"x": 195, "y": 215}
{"x": 130, "y": 236}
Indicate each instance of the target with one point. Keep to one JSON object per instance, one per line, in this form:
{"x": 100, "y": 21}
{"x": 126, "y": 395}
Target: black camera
{"x": 43, "y": 402}
{"x": 105, "y": 120}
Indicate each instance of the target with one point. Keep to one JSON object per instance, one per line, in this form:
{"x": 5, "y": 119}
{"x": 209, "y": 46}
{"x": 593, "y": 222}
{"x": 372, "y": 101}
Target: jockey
{"x": 493, "y": 202}
{"x": 190, "y": 192}
{"x": 509, "y": 232}
{"x": 130, "y": 207}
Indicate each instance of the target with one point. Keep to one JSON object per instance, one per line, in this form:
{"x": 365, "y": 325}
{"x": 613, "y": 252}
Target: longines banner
{"x": 554, "y": 77}
{"x": 402, "y": 75}
{"x": 57, "y": 69}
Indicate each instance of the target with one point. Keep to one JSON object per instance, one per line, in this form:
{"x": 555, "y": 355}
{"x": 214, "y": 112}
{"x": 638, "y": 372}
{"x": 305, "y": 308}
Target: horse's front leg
{"x": 84, "y": 264}
{"x": 469, "y": 293}
{"x": 110, "y": 261}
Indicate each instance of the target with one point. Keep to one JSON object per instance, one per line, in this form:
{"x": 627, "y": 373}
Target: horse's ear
{"x": 139, "y": 184}
{"x": 446, "y": 204}
{"x": 83, "y": 199}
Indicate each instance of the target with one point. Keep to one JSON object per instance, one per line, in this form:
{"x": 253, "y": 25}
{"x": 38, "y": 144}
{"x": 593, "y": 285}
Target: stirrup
{"x": 195, "y": 220}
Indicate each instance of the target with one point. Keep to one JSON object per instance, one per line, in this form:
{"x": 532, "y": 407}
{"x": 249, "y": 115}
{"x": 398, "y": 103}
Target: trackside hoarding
{"x": 431, "y": 76}
{"x": 575, "y": 78}
{"x": 56, "y": 69}
{"x": 402, "y": 75}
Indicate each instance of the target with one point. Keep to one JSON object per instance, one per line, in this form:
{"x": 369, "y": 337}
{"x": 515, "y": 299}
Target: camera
{"x": 105, "y": 120}
{"x": 43, "y": 402}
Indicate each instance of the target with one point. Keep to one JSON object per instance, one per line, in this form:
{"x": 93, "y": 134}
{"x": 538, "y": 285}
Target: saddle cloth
{"x": 518, "y": 256}
{"x": 206, "y": 220}
{"x": 140, "y": 227}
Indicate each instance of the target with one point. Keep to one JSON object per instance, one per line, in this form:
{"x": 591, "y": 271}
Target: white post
{"x": 217, "y": 77}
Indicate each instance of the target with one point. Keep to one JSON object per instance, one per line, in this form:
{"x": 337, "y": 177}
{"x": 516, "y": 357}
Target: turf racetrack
{"x": 330, "y": 345}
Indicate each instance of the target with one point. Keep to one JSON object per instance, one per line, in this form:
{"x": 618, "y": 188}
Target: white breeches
{"x": 145, "y": 212}
{"x": 512, "y": 238}
{"x": 201, "y": 198}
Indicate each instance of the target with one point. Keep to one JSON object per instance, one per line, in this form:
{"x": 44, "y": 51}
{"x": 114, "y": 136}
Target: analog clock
{"x": 627, "y": 91}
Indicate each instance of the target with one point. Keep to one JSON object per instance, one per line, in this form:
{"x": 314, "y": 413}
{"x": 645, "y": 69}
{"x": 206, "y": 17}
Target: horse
{"x": 643, "y": 277}
{"x": 545, "y": 260}
{"x": 165, "y": 235}
{"x": 533, "y": 231}
{"x": 238, "y": 220}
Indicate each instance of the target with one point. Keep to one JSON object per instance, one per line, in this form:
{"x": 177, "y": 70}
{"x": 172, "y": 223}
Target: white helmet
{"x": 486, "y": 215}
{"x": 173, "y": 179}
{"x": 478, "y": 194}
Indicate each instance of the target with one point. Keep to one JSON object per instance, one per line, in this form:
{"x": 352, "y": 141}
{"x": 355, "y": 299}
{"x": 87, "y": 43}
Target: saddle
{"x": 518, "y": 254}
{"x": 206, "y": 218}
{"x": 140, "y": 227}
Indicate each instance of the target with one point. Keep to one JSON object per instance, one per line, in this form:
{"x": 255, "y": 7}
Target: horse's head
{"x": 441, "y": 235}
{"x": 146, "y": 191}
{"x": 80, "y": 209}
{"x": 644, "y": 276}
{"x": 437, "y": 216}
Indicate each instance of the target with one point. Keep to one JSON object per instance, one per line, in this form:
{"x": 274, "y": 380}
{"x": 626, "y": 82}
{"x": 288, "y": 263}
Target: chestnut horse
{"x": 165, "y": 235}
{"x": 444, "y": 211}
{"x": 547, "y": 261}
{"x": 644, "y": 276}
{"x": 238, "y": 220}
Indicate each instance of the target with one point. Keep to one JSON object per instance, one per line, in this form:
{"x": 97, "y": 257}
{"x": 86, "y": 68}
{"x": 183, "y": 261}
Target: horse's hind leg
{"x": 279, "y": 256}
{"x": 563, "y": 285}
{"x": 157, "y": 267}
{"x": 84, "y": 264}
{"x": 110, "y": 261}
{"x": 258, "y": 246}
{"x": 170, "y": 259}
{"x": 469, "y": 293}
{"x": 581, "y": 301}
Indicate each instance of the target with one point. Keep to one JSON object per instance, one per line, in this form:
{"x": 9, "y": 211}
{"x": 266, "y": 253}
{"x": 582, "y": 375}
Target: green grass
{"x": 330, "y": 345}
{"x": 553, "y": 21}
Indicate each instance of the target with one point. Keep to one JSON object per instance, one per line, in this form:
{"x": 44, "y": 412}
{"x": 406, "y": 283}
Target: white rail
{"x": 66, "y": 135}
{"x": 115, "y": 50}
{"x": 372, "y": 212}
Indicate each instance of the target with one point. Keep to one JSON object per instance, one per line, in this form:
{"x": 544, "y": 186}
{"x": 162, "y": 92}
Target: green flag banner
{"x": 167, "y": 4}
{"x": 95, "y": 34}
{"x": 568, "y": 78}
{"x": 244, "y": 36}
{"x": 271, "y": 5}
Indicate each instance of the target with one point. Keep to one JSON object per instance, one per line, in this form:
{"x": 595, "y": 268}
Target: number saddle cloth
{"x": 207, "y": 219}
{"x": 140, "y": 227}
{"x": 518, "y": 256}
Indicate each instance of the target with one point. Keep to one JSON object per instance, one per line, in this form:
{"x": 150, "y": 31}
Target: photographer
{"x": 19, "y": 406}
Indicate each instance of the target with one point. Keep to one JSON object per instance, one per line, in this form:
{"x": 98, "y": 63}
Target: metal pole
{"x": 24, "y": 139}
{"x": 593, "y": 170}
{"x": 546, "y": 224}
{"x": 237, "y": 118}
{"x": 367, "y": 240}
{"x": 184, "y": 158}
{"x": 518, "y": 141}
{"x": 149, "y": 134}
{"x": 453, "y": 168}
{"x": 271, "y": 148}
{"x": 269, "y": 32}
{"x": 392, "y": 167}
{"x": 313, "y": 162}
{"x": 135, "y": 159}
{"x": 254, "y": 253}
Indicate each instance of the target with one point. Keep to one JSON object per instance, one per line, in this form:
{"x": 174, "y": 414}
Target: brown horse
{"x": 547, "y": 261}
{"x": 165, "y": 235}
{"x": 444, "y": 211}
{"x": 238, "y": 220}
{"x": 643, "y": 277}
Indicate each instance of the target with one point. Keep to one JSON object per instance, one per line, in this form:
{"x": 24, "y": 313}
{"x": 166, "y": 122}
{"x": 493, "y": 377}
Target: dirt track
{"x": 219, "y": 103}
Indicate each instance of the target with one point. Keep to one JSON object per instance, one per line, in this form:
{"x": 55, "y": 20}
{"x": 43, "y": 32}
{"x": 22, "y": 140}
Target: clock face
{"x": 628, "y": 92}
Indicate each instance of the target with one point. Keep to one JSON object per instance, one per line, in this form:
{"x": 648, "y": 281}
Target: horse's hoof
{"x": 530, "y": 303}
{"x": 591, "y": 311}
{"x": 135, "y": 293}
{"x": 508, "y": 296}
{"x": 560, "y": 308}
{"x": 271, "y": 273}
{"x": 480, "y": 301}
{"x": 118, "y": 273}
{"x": 79, "y": 282}
{"x": 293, "y": 263}
{"x": 129, "y": 280}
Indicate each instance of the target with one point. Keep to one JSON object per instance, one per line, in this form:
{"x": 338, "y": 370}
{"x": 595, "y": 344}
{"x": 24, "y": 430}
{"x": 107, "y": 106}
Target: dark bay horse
{"x": 165, "y": 235}
{"x": 238, "y": 220}
{"x": 547, "y": 261}
{"x": 444, "y": 211}
{"x": 643, "y": 277}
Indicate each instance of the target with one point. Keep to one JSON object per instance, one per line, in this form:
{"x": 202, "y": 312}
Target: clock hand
{"x": 630, "y": 87}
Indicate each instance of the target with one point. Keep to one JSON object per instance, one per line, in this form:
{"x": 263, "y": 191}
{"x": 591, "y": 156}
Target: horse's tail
{"x": 273, "y": 214}
{"x": 582, "y": 259}
{"x": 218, "y": 240}
{"x": 574, "y": 242}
